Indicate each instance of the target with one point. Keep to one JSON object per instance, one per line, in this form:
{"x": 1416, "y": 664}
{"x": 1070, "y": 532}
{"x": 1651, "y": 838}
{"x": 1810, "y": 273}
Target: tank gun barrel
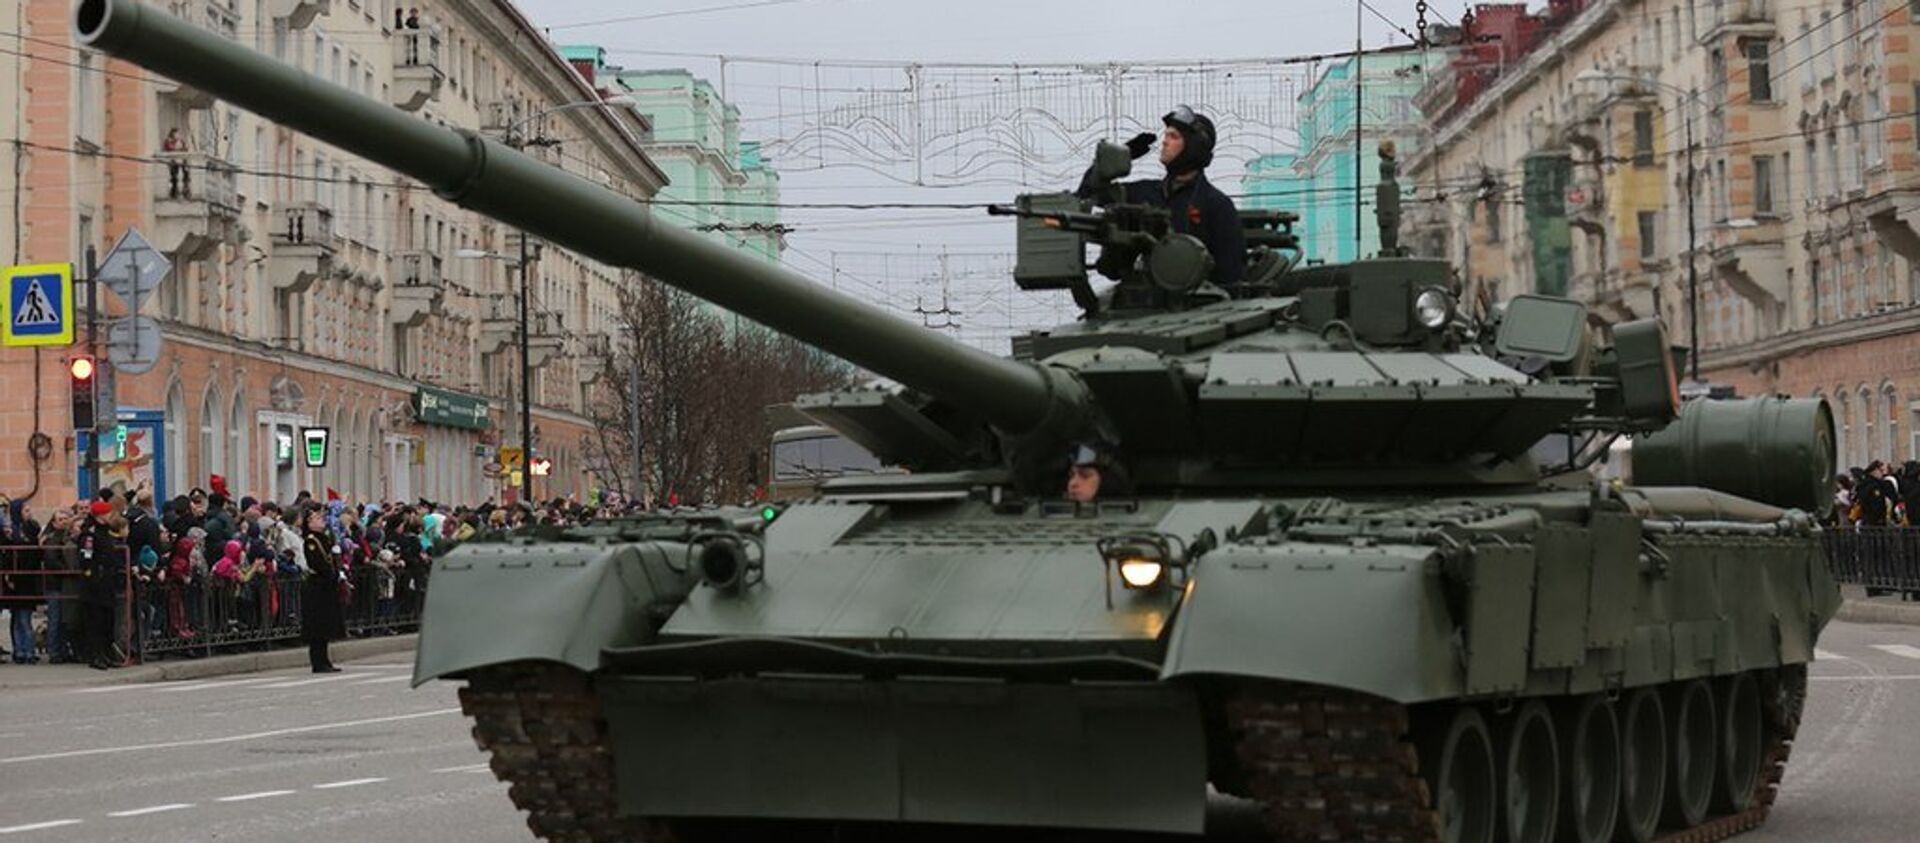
{"x": 493, "y": 179}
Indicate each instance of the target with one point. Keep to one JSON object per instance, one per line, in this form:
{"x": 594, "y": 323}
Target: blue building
{"x": 1320, "y": 181}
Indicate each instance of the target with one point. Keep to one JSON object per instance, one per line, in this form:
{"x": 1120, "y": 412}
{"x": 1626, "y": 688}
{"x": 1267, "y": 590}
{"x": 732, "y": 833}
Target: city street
{"x": 356, "y": 756}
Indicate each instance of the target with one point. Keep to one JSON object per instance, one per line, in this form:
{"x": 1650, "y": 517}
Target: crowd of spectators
{"x": 1879, "y": 495}
{"x": 97, "y": 579}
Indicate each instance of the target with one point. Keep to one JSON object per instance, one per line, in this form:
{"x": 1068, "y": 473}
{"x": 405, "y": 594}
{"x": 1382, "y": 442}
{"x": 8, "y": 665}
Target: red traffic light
{"x": 82, "y": 368}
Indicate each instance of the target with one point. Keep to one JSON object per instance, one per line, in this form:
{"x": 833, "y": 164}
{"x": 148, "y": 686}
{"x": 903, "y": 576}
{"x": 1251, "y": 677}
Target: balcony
{"x": 1586, "y": 200}
{"x": 302, "y": 246}
{"x": 1738, "y": 18}
{"x": 196, "y": 208}
{"x": 1619, "y": 295}
{"x": 419, "y": 291}
{"x": 499, "y": 115}
{"x": 591, "y": 351}
{"x": 417, "y": 77}
{"x": 548, "y": 338}
{"x": 1751, "y": 257}
{"x": 1895, "y": 217}
{"x": 299, "y": 13}
{"x": 501, "y": 324}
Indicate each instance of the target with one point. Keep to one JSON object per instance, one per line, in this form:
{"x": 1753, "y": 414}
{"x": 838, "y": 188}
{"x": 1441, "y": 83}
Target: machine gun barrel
{"x": 493, "y": 179}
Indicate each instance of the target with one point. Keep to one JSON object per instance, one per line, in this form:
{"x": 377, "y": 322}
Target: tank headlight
{"x": 1433, "y": 308}
{"x": 1141, "y": 573}
{"x": 1144, "y": 563}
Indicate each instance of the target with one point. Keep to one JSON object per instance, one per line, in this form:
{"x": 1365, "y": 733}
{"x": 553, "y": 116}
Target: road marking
{"x": 1902, "y": 650}
{"x": 465, "y": 768}
{"x": 336, "y": 677}
{"x": 246, "y": 797}
{"x": 1822, "y": 655}
{"x": 202, "y": 686}
{"x": 141, "y": 812}
{"x": 347, "y": 783}
{"x": 252, "y": 736}
{"x": 108, "y": 689}
{"x": 37, "y": 826}
{"x": 380, "y": 679}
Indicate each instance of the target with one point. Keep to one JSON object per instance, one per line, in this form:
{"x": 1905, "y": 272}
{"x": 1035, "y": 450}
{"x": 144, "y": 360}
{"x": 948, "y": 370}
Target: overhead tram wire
{"x": 678, "y": 13}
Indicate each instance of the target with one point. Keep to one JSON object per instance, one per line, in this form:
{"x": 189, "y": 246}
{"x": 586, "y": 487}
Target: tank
{"x": 1349, "y": 559}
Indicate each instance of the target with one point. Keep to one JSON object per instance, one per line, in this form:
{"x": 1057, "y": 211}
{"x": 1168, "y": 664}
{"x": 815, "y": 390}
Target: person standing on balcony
{"x": 176, "y": 168}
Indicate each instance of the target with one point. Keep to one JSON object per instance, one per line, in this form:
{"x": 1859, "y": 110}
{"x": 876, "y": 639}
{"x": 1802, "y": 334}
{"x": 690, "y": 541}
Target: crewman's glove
{"x": 1140, "y": 143}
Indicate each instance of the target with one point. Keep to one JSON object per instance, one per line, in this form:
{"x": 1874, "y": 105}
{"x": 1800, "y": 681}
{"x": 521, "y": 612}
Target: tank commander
{"x": 1198, "y": 208}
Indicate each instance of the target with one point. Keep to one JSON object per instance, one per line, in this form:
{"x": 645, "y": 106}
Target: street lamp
{"x": 526, "y": 367}
{"x": 1688, "y": 98}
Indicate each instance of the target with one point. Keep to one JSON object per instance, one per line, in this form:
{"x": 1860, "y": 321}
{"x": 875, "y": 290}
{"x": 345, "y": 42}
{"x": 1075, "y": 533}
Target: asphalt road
{"x": 357, "y": 756}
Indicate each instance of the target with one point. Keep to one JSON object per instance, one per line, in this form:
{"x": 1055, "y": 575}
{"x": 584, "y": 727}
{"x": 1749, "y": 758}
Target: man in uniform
{"x": 1197, "y": 207}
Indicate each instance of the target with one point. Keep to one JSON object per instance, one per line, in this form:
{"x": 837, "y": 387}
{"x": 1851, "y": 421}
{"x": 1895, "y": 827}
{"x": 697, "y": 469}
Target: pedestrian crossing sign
{"x": 38, "y": 308}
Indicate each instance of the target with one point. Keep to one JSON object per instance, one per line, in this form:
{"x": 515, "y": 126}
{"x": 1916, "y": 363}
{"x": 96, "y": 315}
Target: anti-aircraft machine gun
{"x": 1342, "y": 584}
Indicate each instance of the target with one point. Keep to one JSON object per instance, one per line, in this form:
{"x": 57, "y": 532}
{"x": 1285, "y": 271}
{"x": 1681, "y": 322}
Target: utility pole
{"x": 1359, "y": 162}
{"x": 1693, "y": 259}
{"x": 90, "y": 460}
{"x": 526, "y": 381}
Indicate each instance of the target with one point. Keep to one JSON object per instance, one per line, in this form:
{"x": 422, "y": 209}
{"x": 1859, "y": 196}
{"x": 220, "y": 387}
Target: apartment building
{"x": 311, "y": 288}
{"x": 1781, "y": 239}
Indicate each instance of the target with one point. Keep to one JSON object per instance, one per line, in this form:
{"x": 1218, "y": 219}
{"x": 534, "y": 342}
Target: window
{"x": 211, "y": 461}
{"x": 1643, "y": 137}
{"x": 1804, "y": 60}
{"x": 82, "y": 234}
{"x": 1759, "y": 72}
{"x": 1876, "y": 134}
{"x": 1721, "y": 193}
{"x": 237, "y": 442}
{"x": 1813, "y": 290}
{"x": 1833, "y": 165}
{"x": 1813, "y": 169}
{"x": 1825, "y": 48}
{"x": 1763, "y": 184}
{"x": 86, "y": 84}
{"x": 1786, "y": 182}
{"x": 1676, "y": 32}
{"x": 1649, "y": 227}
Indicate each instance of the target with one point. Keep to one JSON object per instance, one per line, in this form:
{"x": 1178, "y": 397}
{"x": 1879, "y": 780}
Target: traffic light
{"x": 82, "y": 372}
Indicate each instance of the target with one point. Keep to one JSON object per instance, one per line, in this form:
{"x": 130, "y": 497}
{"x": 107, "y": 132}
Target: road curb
{"x": 1876, "y": 611}
{"x": 166, "y": 671}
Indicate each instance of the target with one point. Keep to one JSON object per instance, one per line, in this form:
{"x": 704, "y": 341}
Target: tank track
{"x": 1329, "y": 765}
{"x": 1332, "y": 765}
{"x": 545, "y": 737}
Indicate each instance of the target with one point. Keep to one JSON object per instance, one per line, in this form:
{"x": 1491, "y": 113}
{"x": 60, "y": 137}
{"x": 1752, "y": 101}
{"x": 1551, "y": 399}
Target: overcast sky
{"x": 879, "y": 253}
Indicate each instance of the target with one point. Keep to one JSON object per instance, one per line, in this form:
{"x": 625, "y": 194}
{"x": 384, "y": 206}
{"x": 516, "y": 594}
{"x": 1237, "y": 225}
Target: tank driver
{"x": 1198, "y": 208}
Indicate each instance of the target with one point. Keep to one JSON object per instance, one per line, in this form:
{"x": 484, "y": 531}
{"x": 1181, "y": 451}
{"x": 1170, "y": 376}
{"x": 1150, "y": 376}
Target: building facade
{"x": 1786, "y": 229}
{"x": 717, "y": 183}
{"x": 310, "y": 288}
{"x": 1327, "y": 178}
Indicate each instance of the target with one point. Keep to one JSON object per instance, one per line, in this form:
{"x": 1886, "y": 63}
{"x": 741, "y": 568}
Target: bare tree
{"x": 703, "y": 388}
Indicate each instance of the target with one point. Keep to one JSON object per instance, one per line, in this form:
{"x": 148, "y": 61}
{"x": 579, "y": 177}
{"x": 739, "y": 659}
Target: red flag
{"x": 332, "y": 495}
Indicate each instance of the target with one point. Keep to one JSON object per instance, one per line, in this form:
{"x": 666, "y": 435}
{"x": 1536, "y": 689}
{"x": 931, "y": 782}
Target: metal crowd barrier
{"x": 201, "y": 617}
{"x": 53, "y": 576}
{"x": 1883, "y": 560}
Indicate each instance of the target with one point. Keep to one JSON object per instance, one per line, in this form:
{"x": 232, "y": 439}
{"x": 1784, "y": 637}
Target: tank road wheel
{"x": 1643, "y": 765}
{"x": 1691, "y": 733}
{"x": 1741, "y": 741}
{"x": 1591, "y": 737}
{"x": 1529, "y": 775}
{"x": 1464, "y": 791}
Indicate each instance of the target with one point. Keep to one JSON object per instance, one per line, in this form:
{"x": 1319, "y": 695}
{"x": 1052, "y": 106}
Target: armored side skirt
{"x": 1086, "y": 755}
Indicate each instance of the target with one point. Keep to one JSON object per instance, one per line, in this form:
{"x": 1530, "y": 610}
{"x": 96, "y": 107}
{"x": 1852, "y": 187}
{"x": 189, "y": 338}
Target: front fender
{"x": 1369, "y": 619}
{"x": 565, "y": 602}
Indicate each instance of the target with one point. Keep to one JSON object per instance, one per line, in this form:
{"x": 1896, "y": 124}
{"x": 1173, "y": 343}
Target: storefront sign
{"x": 449, "y": 409}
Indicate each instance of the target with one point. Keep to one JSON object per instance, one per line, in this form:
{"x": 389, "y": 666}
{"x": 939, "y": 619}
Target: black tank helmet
{"x": 1198, "y": 131}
